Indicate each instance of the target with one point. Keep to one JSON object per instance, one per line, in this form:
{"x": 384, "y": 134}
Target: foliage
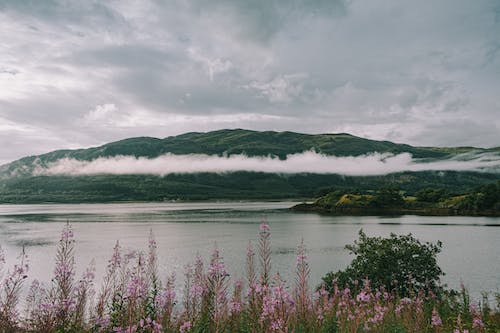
{"x": 203, "y": 186}
{"x": 400, "y": 264}
{"x": 134, "y": 298}
{"x": 483, "y": 197}
{"x": 482, "y": 200}
{"x": 388, "y": 197}
{"x": 431, "y": 194}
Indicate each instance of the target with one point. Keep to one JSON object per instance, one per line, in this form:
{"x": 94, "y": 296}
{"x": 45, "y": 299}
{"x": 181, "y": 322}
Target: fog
{"x": 306, "y": 162}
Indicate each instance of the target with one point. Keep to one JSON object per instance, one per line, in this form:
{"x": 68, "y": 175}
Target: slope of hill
{"x": 18, "y": 184}
{"x": 238, "y": 141}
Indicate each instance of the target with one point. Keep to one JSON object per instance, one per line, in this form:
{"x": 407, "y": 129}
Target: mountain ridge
{"x": 242, "y": 141}
{"x": 18, "y": 183}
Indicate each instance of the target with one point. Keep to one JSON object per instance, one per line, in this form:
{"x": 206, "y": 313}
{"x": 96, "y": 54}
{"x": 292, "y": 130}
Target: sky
{"x": 82, "y": 73}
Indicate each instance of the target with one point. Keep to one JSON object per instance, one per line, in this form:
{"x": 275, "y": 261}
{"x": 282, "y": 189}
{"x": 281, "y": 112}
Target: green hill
{"x": 17, "y": 183}
{"x": 237, "y": 141}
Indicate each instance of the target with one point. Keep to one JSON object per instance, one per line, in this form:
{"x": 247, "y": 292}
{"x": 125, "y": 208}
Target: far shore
{"x": 391, "y": 211}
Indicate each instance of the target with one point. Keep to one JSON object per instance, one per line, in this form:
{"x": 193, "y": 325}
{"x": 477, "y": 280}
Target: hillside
{"x": 18, "y": 184}
{"x": 238, "y": 141}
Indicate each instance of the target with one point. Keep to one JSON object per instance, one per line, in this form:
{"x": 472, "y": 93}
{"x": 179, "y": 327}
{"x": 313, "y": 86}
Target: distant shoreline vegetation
{"x": 481, "y": 201}
{"x": 224, "y": 186}
{"x": 401, "y": 293}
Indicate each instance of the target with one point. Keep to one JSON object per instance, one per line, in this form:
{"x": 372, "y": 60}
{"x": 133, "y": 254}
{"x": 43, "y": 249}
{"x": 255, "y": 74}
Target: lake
{"x": 470, "y": 255}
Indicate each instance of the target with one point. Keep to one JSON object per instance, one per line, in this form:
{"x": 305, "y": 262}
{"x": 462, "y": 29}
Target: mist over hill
{"x": 240, "y": 164}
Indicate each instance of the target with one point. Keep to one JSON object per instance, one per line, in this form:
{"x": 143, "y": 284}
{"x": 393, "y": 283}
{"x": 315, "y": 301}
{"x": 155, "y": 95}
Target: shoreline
{"x": 390, "y": 211}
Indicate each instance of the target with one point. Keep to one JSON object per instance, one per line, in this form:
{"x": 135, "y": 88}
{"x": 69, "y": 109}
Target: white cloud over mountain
{"x": 307, "y": 162}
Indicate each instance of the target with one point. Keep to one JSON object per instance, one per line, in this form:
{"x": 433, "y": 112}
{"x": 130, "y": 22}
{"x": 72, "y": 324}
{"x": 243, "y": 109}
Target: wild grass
{"x": 134, "y": 298}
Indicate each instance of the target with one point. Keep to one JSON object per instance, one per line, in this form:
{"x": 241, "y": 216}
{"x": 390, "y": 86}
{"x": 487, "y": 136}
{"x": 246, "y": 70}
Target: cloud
{"x": 212, "y": 66}
{"x": 281, "y": 89}
{"x": 101, "y": 113}
{"x": 8, "y": 71}
{"x": 262, "y": 19}
{"x": 307, "y": 162}
{"x": 316, "y": 66}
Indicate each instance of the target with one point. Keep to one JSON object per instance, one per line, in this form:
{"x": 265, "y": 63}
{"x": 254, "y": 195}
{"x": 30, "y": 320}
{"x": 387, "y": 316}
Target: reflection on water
{"x": 470, "y": 253}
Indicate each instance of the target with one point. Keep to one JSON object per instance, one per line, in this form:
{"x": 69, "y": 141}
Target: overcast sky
{"x": 82, "y": 73}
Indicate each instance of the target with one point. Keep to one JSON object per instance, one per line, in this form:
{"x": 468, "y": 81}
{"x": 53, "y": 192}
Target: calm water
{"x": 471, "y": 245}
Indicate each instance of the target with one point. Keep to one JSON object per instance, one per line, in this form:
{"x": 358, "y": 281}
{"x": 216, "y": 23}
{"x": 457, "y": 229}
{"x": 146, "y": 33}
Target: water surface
{"x": 471, "y": 245}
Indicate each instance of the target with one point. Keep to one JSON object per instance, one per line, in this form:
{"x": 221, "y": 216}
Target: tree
{"x": 388, "y": 197}
{"x": 399, "y": 263}
{"x": 431, "y": 194}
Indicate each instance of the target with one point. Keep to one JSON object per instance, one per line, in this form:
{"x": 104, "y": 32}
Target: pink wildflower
{"x": 185, "y": 327}
{"x": 436, "y": 320}
{"x": 278, "y": 325}
{"x": 2, "y": 257}
{"x": 405, "y": 301}
{"x": 250, "y": 251}
{"x": 301, "y": 258}
{"x": 477, "y": 322}
{"x": 196, "y": 290}
{"x": 235, "y": 307}
{"x": 264, "y": 227}
{"x": 136, "y": 287}
{"x": 363, "y": 297}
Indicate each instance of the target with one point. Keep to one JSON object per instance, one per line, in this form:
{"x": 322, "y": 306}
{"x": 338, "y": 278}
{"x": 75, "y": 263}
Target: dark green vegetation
{"x": 399, "y": 263}
{"x": 18, "y": 185}
{"x": 206, "y": 186}
{"x": 403, "y": 266}
{"x": 481, "y": 200}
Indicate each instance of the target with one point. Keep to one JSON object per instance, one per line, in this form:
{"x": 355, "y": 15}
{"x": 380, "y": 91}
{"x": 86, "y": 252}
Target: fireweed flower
{"x": 278, "y": 325}
{"x": 185, "y": 327}
{"x": 264, "y": 227}
{"x": 197, "y": 290}
{"x": 2, "y": 258}
{"x": 166, "y": 298}
{"x": 136, "y": 287}
{"x": 10, "y": 291}
{"x": 250, "y": 251}
{"x": 436, "y": 320}
{"x": 235, "y": 307}
{"x": 363, "y": 296}
{"x": 477, "y": 322}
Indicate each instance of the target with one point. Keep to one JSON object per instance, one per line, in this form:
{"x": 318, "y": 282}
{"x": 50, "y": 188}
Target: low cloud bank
{"x": 306, "y": 162}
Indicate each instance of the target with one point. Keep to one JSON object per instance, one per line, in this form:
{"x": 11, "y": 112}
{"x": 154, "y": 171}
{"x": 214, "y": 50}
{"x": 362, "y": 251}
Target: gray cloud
{"x": 423, "y": 73}
{"x": 262, "y": 19}
{"x": 310, "y": 162}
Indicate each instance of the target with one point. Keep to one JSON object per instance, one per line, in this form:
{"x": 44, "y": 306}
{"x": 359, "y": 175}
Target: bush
{"x": 399, "y": 263}
{"x": 388, "y": 197}
{"x": 431, "y": 195}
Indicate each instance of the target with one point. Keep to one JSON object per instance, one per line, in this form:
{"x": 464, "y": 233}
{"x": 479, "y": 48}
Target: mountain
{"x": 18, "y": 184}
{"x": 237, "y": 141}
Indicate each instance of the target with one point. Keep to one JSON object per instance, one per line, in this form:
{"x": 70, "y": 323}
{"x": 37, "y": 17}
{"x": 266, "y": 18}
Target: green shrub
{"x": 388, "y": 197}
{"x": 399, "y": 263}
